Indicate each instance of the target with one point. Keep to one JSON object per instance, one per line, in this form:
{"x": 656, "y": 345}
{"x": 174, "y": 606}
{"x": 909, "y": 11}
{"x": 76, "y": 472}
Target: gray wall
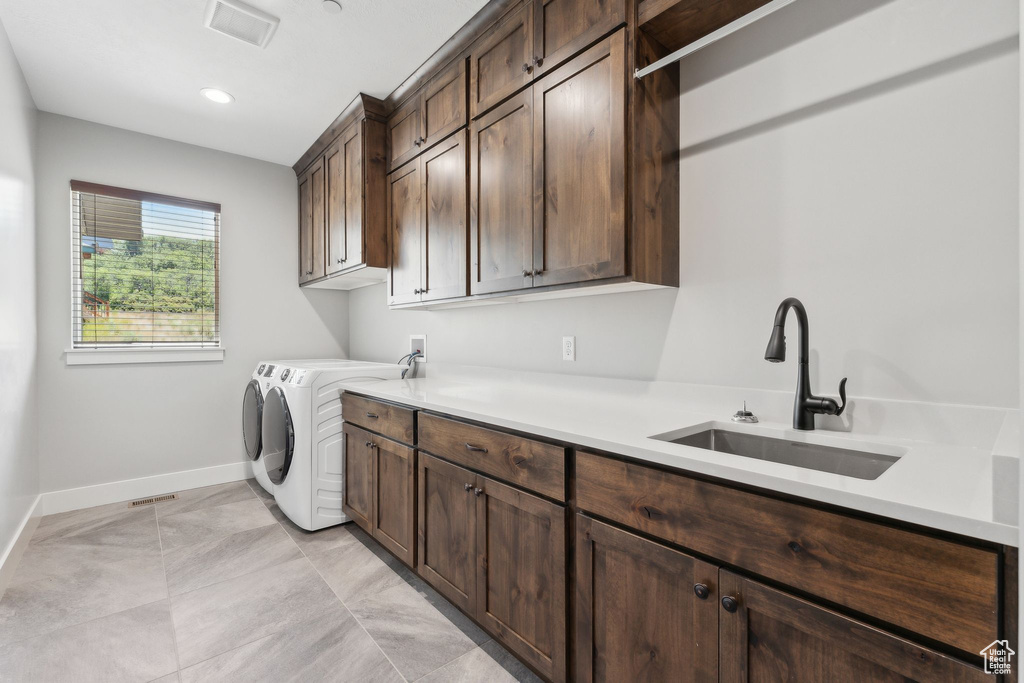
{"x": 860, "y": 156}
{"x": 19, "y": 461}
{"x": 107, "y": 423}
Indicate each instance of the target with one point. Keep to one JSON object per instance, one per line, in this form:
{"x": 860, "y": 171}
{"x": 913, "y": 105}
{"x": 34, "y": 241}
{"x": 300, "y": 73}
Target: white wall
{"x": 19, "y": 461}
{"x": 101, "y": 424}
{"x": 860, "y": 156}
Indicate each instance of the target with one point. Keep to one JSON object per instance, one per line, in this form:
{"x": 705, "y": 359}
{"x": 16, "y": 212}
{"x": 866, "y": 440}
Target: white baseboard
{"x": 143, "y": 487}
{"x": 16, "y": 547}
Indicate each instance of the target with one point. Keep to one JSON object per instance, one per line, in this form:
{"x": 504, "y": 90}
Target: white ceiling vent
{"x": 241, "y": 21}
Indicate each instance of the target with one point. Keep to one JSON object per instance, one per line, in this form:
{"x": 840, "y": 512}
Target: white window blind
{"x": 145, "y": 269}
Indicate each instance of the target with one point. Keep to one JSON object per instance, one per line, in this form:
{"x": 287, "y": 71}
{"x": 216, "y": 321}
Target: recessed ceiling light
{"x": 331, "y": 6}
{"x": 216, "y": 95}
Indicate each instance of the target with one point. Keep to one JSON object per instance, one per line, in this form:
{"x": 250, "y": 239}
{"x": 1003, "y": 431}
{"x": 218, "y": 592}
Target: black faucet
{"x": 806, "y": 404}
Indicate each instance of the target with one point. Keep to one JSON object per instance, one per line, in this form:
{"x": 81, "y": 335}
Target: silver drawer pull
{"x": 372, "y": 416}
{"x": 475, "y": 449}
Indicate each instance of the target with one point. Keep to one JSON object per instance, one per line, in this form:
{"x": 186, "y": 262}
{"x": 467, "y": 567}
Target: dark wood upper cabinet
{"x": 768, "y": 635}
{"x": 521, "y": 574}
{"x": 580, "y": 167}
{"x": 501, "y": 197}
{"x": 357, "y": 480}
{"x": 312, "y": 216}
{"x": 405, "y": 225}
{"x": 445, "y": 220}
{"x": 446, "y": 526}
{"x": 501, "y": 63}
{"x": 444, "y": 104}
{"x": 564, "y": 27}
{"x": 394, "y": 496}
{"x": 342, "y": 202}
{"x": 644, "y": 612}
{"x": 405, "y": 130}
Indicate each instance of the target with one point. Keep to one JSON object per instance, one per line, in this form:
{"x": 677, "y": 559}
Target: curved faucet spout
{"x": 776, "y": 351}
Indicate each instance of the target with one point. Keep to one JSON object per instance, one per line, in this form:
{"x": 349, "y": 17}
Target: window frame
{"x": 126, "y": 353}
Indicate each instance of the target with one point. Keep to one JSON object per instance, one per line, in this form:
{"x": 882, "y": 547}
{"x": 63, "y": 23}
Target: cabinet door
{"x": 446, "y": 525}
{"x": 445, "y": 220}
{"x": 644, "y": 612}
{"x": 771, "y": 635}
{"x": 405, "y": 131}
{"x": 501, "y": 63}
{"x": 405, "y": 216}
{"x": 311, "y": 222}
{"x": 501, "y": 196}
{"x": 564, "y": 27}
{"x": 344, "y": 173}
{"x": 444, "y": 104}
{"x": 521, "y": 574}
{"x": 357, "y": 477}
{"x": 394, "y": 497}
{"x": 580, "y": 176}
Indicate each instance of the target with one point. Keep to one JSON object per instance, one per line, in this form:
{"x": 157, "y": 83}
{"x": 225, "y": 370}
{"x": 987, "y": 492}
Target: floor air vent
{"x": 154, "y": 499}
{"x": 241, "y": 21}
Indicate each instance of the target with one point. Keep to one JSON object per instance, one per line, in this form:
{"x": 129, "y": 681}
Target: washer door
{"x": 278, "y": 436}
{"x": 252, "y": 420}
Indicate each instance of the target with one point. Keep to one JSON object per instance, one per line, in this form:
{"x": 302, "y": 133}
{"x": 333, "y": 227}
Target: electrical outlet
{"x": 418, "y": 342}
{"x": 569, "y": 348}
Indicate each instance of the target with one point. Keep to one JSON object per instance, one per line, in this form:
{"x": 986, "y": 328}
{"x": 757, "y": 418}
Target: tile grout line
{"x": 170, "y": 603}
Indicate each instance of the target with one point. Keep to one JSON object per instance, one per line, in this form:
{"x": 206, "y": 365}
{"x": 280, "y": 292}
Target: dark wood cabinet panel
{"x": 865, "y": 566}
{"x": 393, "y": 421}
{"x": 334, "y": 165}
{"x": 529, "y": 463}
{"x": 445, "y": 220}
{"x": 501, "y": 197}
{"x": 405, "y": 219}
{"x": 644, "y": 612}
{"x": 564, "y": 27}
{"x": 773, "y": 636}
{"x": 521, "y": 574}
{"x": 446, "y": 526}
{"x": 394, "y": 498}
{"x": 501, "y": 63}
{"x": 405, "y": 128}
{"x": 344, "y": 172}
{"x": 311, "y": 222}
{"x": 357, "y": 498}
{"x": 580, "y": 167}
{"x": 445, "y": 104}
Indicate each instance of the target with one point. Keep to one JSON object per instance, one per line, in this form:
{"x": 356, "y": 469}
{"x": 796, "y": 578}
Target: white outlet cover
{"x": 569, "y": 348}
{"x": 418, "y": 341}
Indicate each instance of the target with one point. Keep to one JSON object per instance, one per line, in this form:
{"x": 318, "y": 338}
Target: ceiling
{"x": 140, "y": 64}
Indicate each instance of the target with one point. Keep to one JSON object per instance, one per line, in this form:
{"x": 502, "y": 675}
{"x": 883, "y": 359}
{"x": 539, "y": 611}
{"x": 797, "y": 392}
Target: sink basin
{"x": 842, "y": 461}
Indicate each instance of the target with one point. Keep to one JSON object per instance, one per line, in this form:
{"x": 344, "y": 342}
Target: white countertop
{"x": 946, "y": 487}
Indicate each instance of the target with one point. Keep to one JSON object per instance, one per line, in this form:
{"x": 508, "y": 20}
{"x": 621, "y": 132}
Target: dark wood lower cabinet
{"x": 357, "y": 495}
{"x": 521, "y": 574}
{"x": 394, "y": 496}
{"x": 773, "y": 636}
{"x": 446, "y": 529}
{"x": 644, "y": 612}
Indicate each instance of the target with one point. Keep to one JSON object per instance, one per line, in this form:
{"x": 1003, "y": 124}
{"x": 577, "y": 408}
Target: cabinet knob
{"x": 469, "y": 487}
{"x": 730, "y": 603}
{"x": 701, "y": 591}
{"x": 309, "y": 272}
{"x": 477, "y": 492}
{"x": 527, "y": 68}
{"x": 367, "y": 444}
{"x": 538, "y": 272}
{"x": 527, "y": 273}
{"x": 537, "y": 61}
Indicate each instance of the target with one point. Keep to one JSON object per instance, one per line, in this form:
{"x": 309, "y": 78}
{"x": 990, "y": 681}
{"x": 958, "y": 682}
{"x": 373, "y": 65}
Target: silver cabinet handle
{"x": 469, "y": 487}
{"x": 372, "y": 416}
{"x": 477, "y": 492}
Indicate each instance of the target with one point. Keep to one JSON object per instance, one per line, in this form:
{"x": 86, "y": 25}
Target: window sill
{"x": 146, "y": 355}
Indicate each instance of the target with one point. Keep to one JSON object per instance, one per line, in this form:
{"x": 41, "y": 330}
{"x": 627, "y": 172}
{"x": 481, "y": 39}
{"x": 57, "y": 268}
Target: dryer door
{"x": 252, "y": 420}
{"x": 278, "y": 436}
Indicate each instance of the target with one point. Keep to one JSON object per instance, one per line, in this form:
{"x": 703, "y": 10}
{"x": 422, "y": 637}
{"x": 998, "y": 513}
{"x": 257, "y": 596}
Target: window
{"x": 145, "y": 271}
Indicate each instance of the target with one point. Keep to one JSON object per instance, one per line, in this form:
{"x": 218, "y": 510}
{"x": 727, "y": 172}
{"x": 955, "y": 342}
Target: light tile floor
{"x": 218, "y": 585}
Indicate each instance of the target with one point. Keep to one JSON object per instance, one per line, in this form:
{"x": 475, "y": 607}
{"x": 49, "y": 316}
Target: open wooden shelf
{"x": 677, "y": 23}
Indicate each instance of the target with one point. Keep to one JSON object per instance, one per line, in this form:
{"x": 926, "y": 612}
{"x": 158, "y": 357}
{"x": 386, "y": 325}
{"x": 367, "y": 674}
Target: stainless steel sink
{"x": 842, "y": 461}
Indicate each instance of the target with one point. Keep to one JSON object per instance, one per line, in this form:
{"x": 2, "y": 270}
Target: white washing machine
{"x": 252, "y": 419}
{"x": 302, "y": 440}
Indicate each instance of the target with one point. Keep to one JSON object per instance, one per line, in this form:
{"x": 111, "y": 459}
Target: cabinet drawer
{"x": 937, "y": 588}
{"x": 392, "y": 421}
{"x": 534, "y": 465}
